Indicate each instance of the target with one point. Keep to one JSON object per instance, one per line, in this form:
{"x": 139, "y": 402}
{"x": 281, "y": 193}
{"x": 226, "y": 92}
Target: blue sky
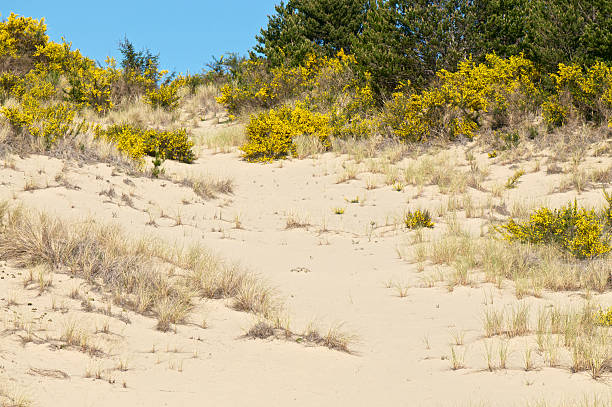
{"x": 186, "y": 34}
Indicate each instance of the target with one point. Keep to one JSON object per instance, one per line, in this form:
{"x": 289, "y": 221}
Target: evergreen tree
{"x": 384, "y": 50}
{"x": 300, "y": 27}
{"x": 332, "y": 24}
{"x": 284, "y": 39}
{"x": 497, "y": 26}
{"x": 569, "y": 31}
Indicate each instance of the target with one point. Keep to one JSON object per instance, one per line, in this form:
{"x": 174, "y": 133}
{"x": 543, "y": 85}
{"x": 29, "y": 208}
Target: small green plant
{"x": 398, "y": 186}
{"x": 577, "y": 231}
{"x": 507, "y": 140}
{"x": 157, "y": 165}
{"x": 607, "y": 212}
{"x": 418, "y": 219}
{"x": 511, "y": 183}
{"x": 339, "y": 211}
{"x": 492, "y": 154}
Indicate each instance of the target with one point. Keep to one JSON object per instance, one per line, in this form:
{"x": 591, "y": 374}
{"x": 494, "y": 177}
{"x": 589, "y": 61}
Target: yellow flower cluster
{"x": 259, "y": 87}
{"x": 137, "y": 142}
{"x": 577, "y": 231}
{"x": 91, "y": 86}
{"x": 271, "y": 133}
{"x": 418, "y": 219}
{"x": 586, "y": 92}
{"x": 604, "y": 317}
{"x": 21, "y": 36}
{"x": 166, "y": 96}
{"x": 34, "y": 112}
{"x": 455, "y": 105}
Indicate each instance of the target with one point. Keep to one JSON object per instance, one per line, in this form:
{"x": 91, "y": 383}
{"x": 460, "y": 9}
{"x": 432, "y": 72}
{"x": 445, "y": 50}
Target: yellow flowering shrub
{"x": 577, "y": 231}
{"x": 166, "y": 96}
{"x": 35, "y": 113}
{"x": 418, "y": 219}
{"x": 20, "y": 36}
{"x": 259, "y": 87}
{"x": 138, "y": 142}
{"x": 89, "y": 85}
{"x": 270, "y": 134}
{"x": 456, "y": 105}
{"x": 604, "y": 317}
{"x": 587, "y": 92}
{"x": 415, "y": 117}
{"x": 554, "y": 112}
{"x": 8, "y": 82}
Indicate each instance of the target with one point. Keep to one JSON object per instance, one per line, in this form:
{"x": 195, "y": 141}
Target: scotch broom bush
{"x": 583, "y": 92}
{"x": 461, "y": 100}
{"x": 270, "y": 134}
{"x": 138, "y": 142}
{"x": 575, "y": 230}
{"x": 418, "y": 219}
{"x": 166, "y": 96}
{"x": 604, "y": 317}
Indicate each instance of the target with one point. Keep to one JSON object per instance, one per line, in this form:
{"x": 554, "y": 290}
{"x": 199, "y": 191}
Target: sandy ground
{"x": 339, "y": 268}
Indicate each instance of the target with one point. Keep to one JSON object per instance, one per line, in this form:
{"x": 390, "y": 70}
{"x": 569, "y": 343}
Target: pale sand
{"x": 349, "y": 270}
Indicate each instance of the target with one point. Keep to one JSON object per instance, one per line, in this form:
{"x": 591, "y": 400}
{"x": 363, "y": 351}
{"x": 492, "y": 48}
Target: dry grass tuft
{"x": 207, "y": 186}
{"x": 222, "y": 139}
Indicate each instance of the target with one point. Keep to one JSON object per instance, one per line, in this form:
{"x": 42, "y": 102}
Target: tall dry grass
{"x": 145, "y": 275}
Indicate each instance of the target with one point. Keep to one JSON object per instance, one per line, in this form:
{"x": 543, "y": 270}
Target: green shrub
{"x": 138, "y": 142}
{"x": 418, "y": 219}
{"x": 577, "y": 231}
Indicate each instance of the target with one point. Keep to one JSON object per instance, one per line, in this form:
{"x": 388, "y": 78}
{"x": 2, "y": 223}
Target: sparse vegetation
{"x": 423, "y": 104}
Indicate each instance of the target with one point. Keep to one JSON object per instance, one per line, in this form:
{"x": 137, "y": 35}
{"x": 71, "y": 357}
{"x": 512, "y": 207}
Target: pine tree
{"x": 569, "y": 31}
{"x": 284, "y": 39}
{"x": 300, "y": 27}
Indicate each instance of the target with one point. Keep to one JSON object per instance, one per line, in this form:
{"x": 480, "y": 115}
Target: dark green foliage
{"x": 226, "y": 65}
{"x": 386, "y": 52}
{"x": 498, "y": 26}
{"x": 157, "y": 162}
{"x": 397, "y": 41}
{"x": 284, "y": 40}
{"x": 301, "y": 27}
{"x": 568, "y": 31}
{"x": 143, "y": 62}
{"x": 332, "y": 24}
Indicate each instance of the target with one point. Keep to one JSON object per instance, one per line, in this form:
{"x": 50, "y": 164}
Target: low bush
{"x": 138, "y": 142}
{"x": 460, "y": 101}
{"x": 270, "y": 134}
{"x": 418, "y": 219}
{"x": 584, "y": 92}
{"x": 604, "y": 317}
{"x": 166, "y": 96}
{"x": 575, "y": 230}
